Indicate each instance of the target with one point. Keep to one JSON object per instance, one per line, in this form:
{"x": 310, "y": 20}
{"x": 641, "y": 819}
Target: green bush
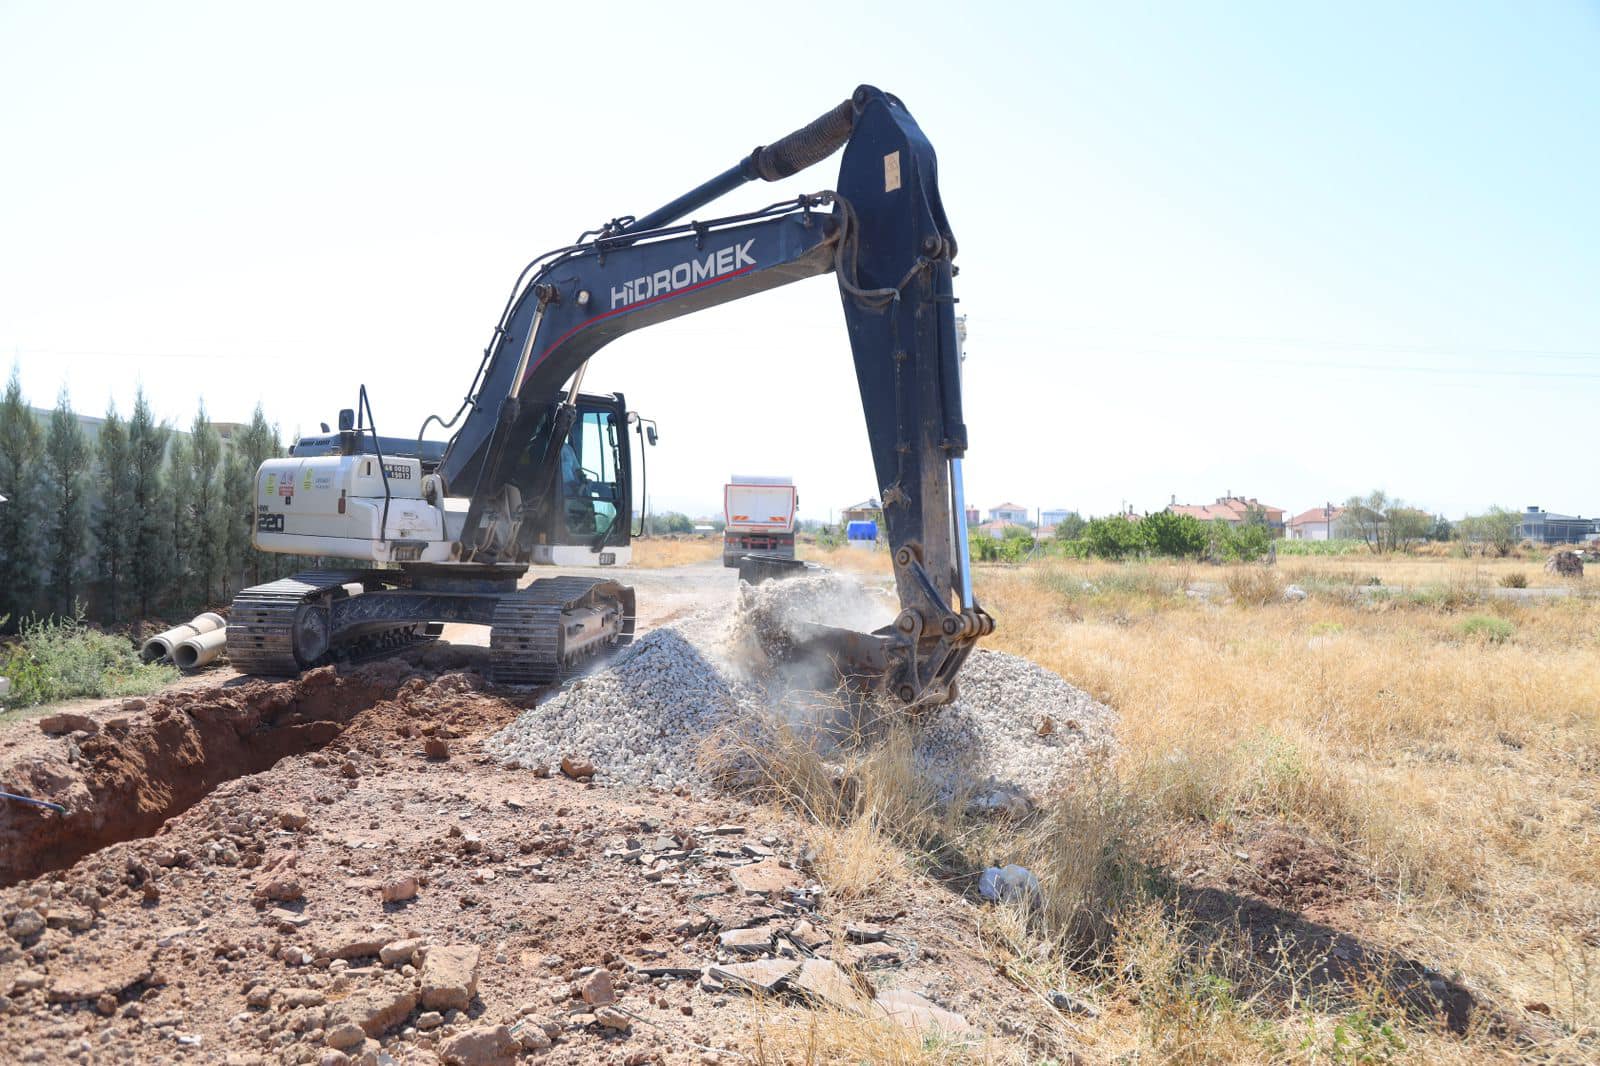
{"x": 1114, "y": 537}
{"x": 1179, "y": 536}
{"x": 1488, "y": 628}
{"x": 1015, "y": 545}
{"x": 1238, "y": 544}
{"x": 1071, "y": 549}
{"x": 59, "y": 658}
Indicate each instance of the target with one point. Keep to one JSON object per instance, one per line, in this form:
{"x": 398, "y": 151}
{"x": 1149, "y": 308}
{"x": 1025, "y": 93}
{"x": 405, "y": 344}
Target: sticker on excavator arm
{"x": 891, "y": 171}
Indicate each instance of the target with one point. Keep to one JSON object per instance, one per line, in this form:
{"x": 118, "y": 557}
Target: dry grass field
{"x": 656, "y": 552}
{"x": 1359, "y": 827}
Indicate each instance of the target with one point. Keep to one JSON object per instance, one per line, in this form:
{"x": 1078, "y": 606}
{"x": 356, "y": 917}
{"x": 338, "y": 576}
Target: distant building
{"x": 1545, "y": 527}
{"x": 1315, "y": 524}
{"x": 1013, "y": 513}
{"x": 995, "y": 528}
{"x": 972, "y": 517}
{"x": 866, "y": 511}
{"x": 1232, "y": 510}
{"x": 1053, "y": 516}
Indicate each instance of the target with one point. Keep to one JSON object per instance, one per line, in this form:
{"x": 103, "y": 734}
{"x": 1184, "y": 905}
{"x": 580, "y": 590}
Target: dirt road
{"x": 664, "y": 594}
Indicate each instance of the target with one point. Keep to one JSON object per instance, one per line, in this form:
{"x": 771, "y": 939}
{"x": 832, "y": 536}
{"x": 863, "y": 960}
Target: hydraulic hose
{"x": 806, "y": 146}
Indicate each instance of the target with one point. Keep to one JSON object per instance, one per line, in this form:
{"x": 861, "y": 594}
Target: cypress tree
{"x": 20, "y": 447}
{"x": 66, "y": 469}
{"x": 113, "y": 515}
{"x": 258, "y": 443}
{"x": 238, "y": 517}
{"x": 210, "y": 517}
{"x": 150, "y": 547}
{"x": 179, "y": 489}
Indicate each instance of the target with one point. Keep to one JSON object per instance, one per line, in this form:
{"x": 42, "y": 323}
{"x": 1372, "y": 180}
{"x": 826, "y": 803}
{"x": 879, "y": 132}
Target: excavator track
{"x": 269, "y": 635}
{"x": 528, "y": 644}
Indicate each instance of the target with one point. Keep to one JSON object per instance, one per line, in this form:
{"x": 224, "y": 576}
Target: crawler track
{"x": 528, "y": 644}
{"x": 267, "y": 619}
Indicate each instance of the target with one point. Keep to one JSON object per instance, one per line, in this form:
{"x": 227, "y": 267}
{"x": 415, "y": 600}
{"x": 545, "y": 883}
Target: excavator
{"x": 539, "y": 472}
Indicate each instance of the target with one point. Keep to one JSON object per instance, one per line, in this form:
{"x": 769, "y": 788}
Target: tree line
{"x": 139, "y": 521}
{"x": 1379, "y": 521}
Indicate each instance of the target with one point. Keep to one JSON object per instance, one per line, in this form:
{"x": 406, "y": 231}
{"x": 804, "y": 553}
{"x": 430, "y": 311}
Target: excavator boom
{"x": 884, "y": 234}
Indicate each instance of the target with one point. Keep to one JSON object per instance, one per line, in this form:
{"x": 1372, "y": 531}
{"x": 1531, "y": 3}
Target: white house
{"x": 1009, "y": 512}
{"x": 1053, "y": 516}
{"x": 1316, "y": 524}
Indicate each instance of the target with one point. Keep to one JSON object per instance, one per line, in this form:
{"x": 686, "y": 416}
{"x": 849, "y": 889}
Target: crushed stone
{"x": 1016, "y": 729}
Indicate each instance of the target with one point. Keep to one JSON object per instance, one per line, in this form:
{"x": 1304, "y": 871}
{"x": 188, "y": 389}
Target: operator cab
{"x": 594, "y": 523}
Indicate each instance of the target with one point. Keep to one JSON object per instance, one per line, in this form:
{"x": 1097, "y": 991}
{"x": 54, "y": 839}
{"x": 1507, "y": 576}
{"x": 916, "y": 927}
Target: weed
{"x": 1254, "y": 587}
{"x": 1488, "y": 629}
{"x": 1516, "y": 579}
{"x": 60, "y": 658}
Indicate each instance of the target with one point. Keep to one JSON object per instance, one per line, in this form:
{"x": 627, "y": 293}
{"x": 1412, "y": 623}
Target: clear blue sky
{"x": 1294, "y": 251}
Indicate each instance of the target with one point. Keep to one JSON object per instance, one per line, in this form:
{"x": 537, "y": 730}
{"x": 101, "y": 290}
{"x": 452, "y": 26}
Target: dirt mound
{"x": 162, "y": 755}
{"x": 1292, "y": 870}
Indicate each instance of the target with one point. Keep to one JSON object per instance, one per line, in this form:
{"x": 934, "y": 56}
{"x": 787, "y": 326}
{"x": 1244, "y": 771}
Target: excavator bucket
{"x": 757, "y": 567}
{"x": 861, "y": 660}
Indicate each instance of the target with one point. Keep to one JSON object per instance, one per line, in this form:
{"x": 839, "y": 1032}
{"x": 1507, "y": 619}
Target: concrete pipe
{"x": 162, "y": 646}
{"x": 197, "y": 651}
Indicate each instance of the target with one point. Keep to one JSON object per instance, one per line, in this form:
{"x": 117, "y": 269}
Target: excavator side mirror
{"x": 650, "y": 435}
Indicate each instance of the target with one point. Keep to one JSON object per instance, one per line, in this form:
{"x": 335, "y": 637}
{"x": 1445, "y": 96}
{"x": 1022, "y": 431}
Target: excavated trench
{"x": 127, "y": 780}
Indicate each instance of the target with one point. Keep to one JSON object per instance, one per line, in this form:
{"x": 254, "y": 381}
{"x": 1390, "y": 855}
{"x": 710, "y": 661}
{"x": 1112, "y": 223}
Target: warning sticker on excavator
{"x": 891, "y": 172}
{"x": 272, "y": 484}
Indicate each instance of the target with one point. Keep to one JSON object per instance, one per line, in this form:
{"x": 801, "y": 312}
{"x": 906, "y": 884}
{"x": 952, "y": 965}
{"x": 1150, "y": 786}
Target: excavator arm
{"x": 884, "y": 235}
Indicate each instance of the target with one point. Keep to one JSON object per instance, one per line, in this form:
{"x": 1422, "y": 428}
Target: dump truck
{"x": 760, "y": 516}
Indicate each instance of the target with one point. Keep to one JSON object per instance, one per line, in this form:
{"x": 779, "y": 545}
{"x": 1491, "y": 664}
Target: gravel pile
{"x": 1014, "y": 732}
{"x": 1014, "y": 727}
{"x": 640, "y": 719}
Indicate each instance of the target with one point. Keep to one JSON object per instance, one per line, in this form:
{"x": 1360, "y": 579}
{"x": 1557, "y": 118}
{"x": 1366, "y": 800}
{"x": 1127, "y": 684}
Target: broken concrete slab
{"x": 919, "y": 1014}
{"x": 450, "y": 977}
{"x": 764, "y": 977}
{"x": 823, "y": 982}
{"x": 375, "y": 1010}
{"x": 353, "y": 942}
{"x": 808, "y": 936}
{"x": 756, "y": 941}
{"x": 764, "y": 878}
